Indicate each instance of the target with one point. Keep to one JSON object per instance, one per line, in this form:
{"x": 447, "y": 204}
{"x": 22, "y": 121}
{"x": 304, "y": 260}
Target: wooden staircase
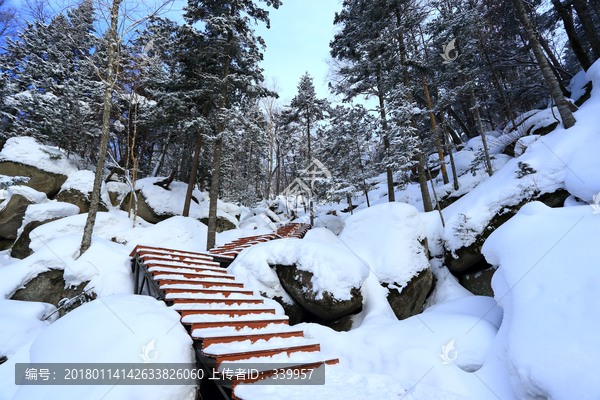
{"x": 228, "y": 323}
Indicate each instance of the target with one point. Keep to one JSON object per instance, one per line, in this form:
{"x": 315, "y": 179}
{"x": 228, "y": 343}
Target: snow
{"x": 177, "y": 233}
{"x": 171, "y": 202}
{"x": 335, "y": 269}
{"x": 577, "y": 85}
{"x": 83, "y": 181}
{"x": 547, "y": 284}
{"x": 46, "y": 211}
{"x": 388, "y": 237}
{"x": 112, "y": 329}
{"x": 30, "y": 194}
{"x": 106, "y": 265}
{"x": 20, "y": 323}
{"x": 28, "y": 151}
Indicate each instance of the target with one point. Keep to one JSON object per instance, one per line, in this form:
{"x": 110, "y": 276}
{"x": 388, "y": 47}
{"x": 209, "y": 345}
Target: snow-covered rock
{"x": 547, "y": 284}
{"x": 14, "y": 208}
{"x": 78, "y": 190}
{"x": 37, "y": 215}
{"x": 330, "y": 274}
{"x": 46, "y": 167}
{"x": 113, "y": 329}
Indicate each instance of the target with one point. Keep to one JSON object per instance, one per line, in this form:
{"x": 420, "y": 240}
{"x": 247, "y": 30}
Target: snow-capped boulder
{"x": 469, "y": 257}
{"x": 113, "y": 329}
{"x": 547, "y": 284}
{"x": 391, "y": 239}
{"x": 46, "y": 167}
{"x": 14, "y": 208}
{"x": 37, "y": 215}
{"x": 78, "y": 189}
{"x": 324, "y": 304}
{"x": 144, "y": 210}
{"x": 117, "y": 192}
{"x": 319, "y": 273}
{"x": 333, "y": 223}
{"x": 49, "y": 287}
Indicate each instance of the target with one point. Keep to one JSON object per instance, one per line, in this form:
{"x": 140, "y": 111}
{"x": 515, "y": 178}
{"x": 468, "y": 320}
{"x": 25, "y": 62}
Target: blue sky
{"x": 298, "y": 41}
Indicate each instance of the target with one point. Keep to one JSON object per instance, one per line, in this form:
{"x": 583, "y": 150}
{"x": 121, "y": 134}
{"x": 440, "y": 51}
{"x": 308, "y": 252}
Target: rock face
{"x": 470, "y": 256}
{"x": 42, "y": 181}
{"x": 223, "y": 224}
{"x": 298, "y": 284}
{"x": 409, "y": 301}
{"x": 11, "y": 216}
{"x": 81, "y": 200}
{"x": 144, "y": 211}
{"x": 49, "y": 287}
{"x": 21, "y": 248}
{"x": 479, "y": 283}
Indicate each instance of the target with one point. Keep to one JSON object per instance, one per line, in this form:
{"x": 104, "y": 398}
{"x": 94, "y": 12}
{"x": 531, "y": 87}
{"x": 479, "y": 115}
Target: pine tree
{"x": 226, "y": 27}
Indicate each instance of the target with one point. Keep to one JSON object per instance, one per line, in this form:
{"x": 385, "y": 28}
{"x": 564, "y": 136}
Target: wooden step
{"x": 237, "y": 324}
{"x": 201, "y": 284}
{"x": 162, "y": 249}
{"x": 183, "y": 276}
{"x": 183, "y": 300}
{"x": 254, "y": 337}
{"x": 179, "y": 263}
{"x": 169, "y": 268}
{"x": 223, "y": 291}
{"x": 174, "y": 257}
{"x": 232, "y": 312}
{"x": 262, "y": 353}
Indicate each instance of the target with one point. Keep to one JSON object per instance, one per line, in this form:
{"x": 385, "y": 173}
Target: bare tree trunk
{"x": 386, "y": 142}
{"x": 427, "y": 206}
{"x": 108, "y": 91}
{"x": 438, "y": 143}
{"x": 486, "y": 152}
{"x": 214, "y": 185}
{"x": 551, "y": 82}
{"x": 588, "y": 25}
{"x": 192, "y": 181}
{"x": 499, "y": 87}
{"x": 161, "y": 159}
{"x": 566, "y": 14}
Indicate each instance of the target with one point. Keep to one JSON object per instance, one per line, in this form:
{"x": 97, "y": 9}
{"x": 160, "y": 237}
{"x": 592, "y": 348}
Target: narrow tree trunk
{"x": 438, "y": 143}
{"x": 214, "y": 185}
{"x": 566, "y": 15}
{"x": 427, "y": 206}
{"x": 486, "y": 152}
{"x": 214, "y": 195}
{"x": 551, "y": 82}
{"x": 192, "y": 181}
{"x": 108, "y": 91}
{"x": 587, "y": 22}
{"x": 386, "y": 142}
{"x": 437, "y": 203}
{"x": 161, "y": 159}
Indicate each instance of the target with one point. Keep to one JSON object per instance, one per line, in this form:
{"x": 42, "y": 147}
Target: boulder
{"x": 40, "y": 180}
{"x": 480, "y": 282}
{"x": 11, "y": 216}
{"x": 117, "y": 192}
{"x": 20, "y": 248}
{"x": 298, "y": 284}
{"x": 343, "y": 324}
{"x": 470, "y": 257}
{"x": 223, "y": 224}
{"x": 409, "y": 300}
{"x": 144, "y": 211}
{"x": 80, "y": 199}
{"x": 49, "y": 287}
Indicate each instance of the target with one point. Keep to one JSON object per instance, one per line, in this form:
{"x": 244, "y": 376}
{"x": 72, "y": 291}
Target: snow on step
{"x": 226, "y": 331}
{"x": 200, "y": 318}
{"x": 174, "y": 257}
{"x": 277, "y": 361}
{"x": 174, "y": 272}
{"x": 275, "y": 343}
{"x": 201, "y": 284}
{"x": 140, "y": 248}
{"x": 178, "y": 263}
{"x": 213, "y": 296}
{"x": 216, "y": 306}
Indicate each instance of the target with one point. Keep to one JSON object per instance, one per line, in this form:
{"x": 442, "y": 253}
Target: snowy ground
{"x": 537, "y": 339}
